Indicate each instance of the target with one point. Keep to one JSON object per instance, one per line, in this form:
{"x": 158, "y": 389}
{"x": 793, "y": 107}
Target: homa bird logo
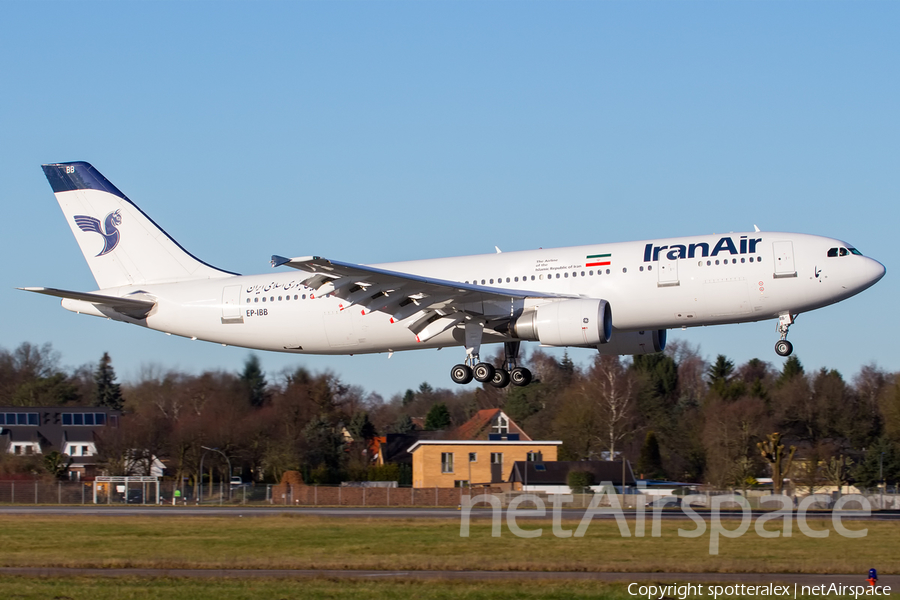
{"x": 110, "y": 237}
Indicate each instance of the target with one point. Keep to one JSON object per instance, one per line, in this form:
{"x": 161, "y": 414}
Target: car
{"x": 665, "y": 502}
{"x": 236, "y": 481}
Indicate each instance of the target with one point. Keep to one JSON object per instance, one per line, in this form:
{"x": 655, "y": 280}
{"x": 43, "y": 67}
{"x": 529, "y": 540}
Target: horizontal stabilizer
{"x": 132, "y": 307}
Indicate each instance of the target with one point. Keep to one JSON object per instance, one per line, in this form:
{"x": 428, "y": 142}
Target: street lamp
{"x": 202, "y": 456}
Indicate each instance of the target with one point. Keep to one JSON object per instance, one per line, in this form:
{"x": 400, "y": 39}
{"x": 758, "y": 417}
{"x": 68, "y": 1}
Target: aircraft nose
{"x": 872, "y": 271}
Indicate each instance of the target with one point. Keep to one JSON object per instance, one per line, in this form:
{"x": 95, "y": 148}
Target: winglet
{"x": 277, "y": 261}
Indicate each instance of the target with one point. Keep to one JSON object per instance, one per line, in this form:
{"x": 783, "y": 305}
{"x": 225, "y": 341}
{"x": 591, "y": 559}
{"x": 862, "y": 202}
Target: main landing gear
{"x": 483, "y": 372}
{"x": 782, "y": 346}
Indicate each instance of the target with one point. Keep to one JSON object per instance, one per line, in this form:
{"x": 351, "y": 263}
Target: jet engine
{"x": 575, "y": 322}
{"x": 635, "y": 342}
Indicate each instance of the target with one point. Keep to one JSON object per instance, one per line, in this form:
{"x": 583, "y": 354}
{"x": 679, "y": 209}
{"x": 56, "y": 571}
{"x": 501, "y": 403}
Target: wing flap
{"x": 132, "y": 307}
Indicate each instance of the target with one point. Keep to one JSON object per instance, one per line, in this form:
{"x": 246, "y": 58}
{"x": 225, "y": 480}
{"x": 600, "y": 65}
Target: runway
{"x": 575, "y": 514}
{"x": 799, "y": 579}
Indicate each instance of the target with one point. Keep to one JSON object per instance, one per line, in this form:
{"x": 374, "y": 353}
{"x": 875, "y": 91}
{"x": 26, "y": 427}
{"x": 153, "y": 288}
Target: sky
{"x": 383, "y": 131}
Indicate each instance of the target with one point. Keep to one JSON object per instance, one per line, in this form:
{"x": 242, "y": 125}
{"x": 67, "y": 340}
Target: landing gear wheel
{"x": 461, "y": 374}
{"x": 783, "y": 348}
{"x": 483, "y": 372}
{"x": 520, "y": 376}
{"x": 500, "y": 378}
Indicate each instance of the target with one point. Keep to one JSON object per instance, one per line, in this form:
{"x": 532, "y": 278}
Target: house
{"x": 68, "y": 430}
{"x": 488, "y": 424}
{"x": 459, "y": 463}
{"x": 552, "y": 477}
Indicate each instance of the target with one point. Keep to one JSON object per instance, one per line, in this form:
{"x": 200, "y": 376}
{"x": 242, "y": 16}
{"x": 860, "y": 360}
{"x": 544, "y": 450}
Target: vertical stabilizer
{"x": 122, "y": 245}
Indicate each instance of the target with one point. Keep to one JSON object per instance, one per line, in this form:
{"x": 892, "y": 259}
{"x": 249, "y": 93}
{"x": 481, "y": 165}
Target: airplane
{"x": 619, "y": 298}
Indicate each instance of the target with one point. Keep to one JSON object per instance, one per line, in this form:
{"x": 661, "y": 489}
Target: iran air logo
{"x": 110, "y": 236}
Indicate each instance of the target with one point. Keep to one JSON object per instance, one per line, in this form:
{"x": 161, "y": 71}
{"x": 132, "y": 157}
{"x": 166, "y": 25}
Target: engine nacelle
{"x": 575, "y": 322}
{"x": 635, "y": 342}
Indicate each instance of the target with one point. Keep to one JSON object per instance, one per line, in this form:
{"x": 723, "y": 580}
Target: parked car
{"x": 236, "y": 481}
{"x": 665, "y": 502}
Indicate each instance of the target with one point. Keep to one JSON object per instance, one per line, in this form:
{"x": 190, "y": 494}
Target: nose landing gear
{"x": 782, "y": 346}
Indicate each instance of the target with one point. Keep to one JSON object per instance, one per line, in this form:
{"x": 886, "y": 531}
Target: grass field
{"x": 301, "y": 542}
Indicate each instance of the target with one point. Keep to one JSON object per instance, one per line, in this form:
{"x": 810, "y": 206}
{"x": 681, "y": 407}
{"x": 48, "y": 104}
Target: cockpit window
{"x": 832, "y": 252}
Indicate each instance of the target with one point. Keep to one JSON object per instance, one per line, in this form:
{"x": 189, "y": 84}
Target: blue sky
{"x": 382, "y": 131}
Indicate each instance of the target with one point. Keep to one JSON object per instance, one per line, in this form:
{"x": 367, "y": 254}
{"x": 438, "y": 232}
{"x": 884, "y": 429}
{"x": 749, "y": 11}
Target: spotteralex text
{"x": 682, "y": 591}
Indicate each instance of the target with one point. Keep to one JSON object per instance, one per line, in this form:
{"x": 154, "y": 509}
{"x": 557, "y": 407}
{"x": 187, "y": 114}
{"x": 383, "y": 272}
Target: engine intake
{"x": 576, "y": 322}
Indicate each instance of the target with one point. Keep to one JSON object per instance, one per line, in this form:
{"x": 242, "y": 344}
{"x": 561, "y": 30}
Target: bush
{"x": 580, "y": 482}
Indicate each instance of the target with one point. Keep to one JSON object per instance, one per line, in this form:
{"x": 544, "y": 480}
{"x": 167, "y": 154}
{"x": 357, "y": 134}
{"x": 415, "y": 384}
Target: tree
{"x": 649, "y": 463}
{"x": 404, "y": 424}
{"x": 773, "y": 451}
{"x": 255, "y": 382}
{"x": 57, "y": 464}
{"x": 836, "y": 470}
{"x": 438, "y": 417}
{"x": 613, "y": 390}
{"x": 360, "y": 427}
{"x": 108, "y": 392}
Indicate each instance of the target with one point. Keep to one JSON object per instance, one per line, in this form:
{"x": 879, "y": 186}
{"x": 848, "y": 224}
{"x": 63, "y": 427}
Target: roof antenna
{"x": 499, "y": 251}
{"x": 755, "y": 228}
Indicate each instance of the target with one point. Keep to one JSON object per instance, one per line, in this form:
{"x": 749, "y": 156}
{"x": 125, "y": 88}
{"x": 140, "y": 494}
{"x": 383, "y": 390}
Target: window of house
{"x": 501, "y": 424}
{"x": 496, "y": 458}
{"x": 533, "y": 456}
{"x": 85, "y": 451}
{"x": 473, "y": 457}
{"x": 18, "y": 449}
{"x": 461, "y": 483}
{"x": 446, "y": 462}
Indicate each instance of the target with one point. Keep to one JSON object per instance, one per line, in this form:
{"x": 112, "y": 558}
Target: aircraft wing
{"x": 132, "y": 307}
{"x": 442, "y": 303}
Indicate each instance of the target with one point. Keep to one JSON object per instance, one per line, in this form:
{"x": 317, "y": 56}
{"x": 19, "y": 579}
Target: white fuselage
{"x": 656, "y": 284}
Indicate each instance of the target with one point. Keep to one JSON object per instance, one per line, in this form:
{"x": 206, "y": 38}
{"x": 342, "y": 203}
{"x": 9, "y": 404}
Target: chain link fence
{"x": 221, "y": 493}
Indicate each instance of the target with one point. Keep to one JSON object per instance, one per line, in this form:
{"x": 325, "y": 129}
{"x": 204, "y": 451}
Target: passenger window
{"x": 607, "y": 271}
{"x": 649, "y": 267}
{"x": 624, "y": 270}
{"x": 566, "y": 275}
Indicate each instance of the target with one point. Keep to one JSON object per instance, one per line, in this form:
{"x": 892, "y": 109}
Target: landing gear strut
{"x": 782, "y": 346}
{"x": 483, "y": 372}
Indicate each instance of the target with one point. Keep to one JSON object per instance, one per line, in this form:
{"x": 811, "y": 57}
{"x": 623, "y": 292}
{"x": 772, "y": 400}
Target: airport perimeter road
{"x": 364, "y": 512}
{"x": 799, "y": 579}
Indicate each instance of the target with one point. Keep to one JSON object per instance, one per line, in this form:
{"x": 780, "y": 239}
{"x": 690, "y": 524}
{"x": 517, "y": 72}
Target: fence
{"x": 81, "y": 492}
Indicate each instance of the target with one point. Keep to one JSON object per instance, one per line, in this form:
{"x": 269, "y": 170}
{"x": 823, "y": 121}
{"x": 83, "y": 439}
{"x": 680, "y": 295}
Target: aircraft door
{"x": 668, "y": 271}
{"x": 784, "y": 259}
{"x": 231, "y": 304}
